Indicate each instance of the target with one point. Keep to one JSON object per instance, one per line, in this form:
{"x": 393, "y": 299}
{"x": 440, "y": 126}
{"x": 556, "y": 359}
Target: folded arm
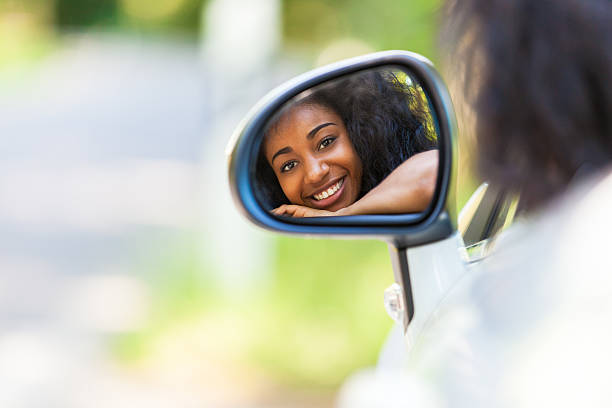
{"x": 408, "y": 189}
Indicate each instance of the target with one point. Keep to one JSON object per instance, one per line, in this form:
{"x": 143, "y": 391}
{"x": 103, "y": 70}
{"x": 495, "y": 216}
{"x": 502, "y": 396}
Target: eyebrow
{"x": 309, "y": 136}
{"x": 316, "y": 129}
{"x": 281, "y": 151}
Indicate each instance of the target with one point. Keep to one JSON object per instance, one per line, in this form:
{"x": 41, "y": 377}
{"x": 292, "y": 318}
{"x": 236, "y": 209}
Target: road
{"x": 111, "y": 151}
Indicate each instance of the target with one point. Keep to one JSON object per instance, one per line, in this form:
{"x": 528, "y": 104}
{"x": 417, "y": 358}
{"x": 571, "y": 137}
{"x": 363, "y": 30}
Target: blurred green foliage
{"x": 327, "y": 309}
{"x": 320, "y": 318}
{"x": 314, "y": 24}
{"x": 85, "y": 13}
{"x": 308, "y": 25}
{"x": 25, "y": 34}
{"x": 161, "y": 16}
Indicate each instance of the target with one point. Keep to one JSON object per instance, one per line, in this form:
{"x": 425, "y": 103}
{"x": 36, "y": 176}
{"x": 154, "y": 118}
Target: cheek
{"x": 292, "y": 188}
{"x": 352, "y": 161}
{"x": 358, "y": 169}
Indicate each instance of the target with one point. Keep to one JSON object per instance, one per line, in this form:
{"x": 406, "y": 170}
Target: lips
{"x": 329, "y": 195}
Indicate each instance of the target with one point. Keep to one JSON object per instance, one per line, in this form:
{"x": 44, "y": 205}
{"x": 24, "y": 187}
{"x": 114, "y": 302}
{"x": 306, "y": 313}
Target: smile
{"x": 330, "y": 191}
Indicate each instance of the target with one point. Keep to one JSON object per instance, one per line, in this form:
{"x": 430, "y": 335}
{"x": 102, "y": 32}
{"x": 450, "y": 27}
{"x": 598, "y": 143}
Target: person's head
{"x": 313, "y": 158}
{"x": 536, "y": 75}
{"x": 378, "y": 121}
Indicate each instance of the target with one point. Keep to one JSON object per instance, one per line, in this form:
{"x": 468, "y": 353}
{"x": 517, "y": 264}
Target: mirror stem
{"x": 401, "y": 272}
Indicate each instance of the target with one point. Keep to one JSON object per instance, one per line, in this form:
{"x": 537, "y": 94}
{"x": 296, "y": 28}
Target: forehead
{"x": 295, "y": 124}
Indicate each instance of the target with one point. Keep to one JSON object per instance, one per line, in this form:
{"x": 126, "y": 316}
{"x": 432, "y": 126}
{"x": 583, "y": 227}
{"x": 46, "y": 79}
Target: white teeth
{"x": 330, "y": 191}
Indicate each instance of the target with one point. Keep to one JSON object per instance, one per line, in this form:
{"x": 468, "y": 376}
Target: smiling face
{"x": 313, "y": 158}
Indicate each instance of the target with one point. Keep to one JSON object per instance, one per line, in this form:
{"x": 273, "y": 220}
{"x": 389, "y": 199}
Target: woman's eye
{"x": 288, "y": 166}
{"x": 326, "y": 142}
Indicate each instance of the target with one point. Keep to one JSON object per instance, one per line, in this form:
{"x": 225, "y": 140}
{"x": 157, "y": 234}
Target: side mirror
{"x": 373, "y": 136}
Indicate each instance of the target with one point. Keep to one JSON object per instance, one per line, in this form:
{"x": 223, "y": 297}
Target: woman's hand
{"x": 300, "y": 211}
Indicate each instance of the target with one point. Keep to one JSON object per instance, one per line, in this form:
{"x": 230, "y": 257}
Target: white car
{"x": 505, "y": 330}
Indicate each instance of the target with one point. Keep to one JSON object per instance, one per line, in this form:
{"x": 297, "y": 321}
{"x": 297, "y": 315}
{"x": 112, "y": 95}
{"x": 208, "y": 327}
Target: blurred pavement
{"x": 110, "y": 149}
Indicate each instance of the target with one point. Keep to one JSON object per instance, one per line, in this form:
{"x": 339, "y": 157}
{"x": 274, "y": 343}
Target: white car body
{"x": 530, "y": 326}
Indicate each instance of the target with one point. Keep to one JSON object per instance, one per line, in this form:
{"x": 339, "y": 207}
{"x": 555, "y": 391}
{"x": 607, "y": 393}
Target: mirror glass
{"x": 363, "y": 143}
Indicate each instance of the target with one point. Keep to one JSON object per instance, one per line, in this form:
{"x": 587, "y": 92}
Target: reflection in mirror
{"x": 364, "y": 143}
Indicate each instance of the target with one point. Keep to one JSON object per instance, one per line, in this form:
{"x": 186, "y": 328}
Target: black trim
{"x": 399, "y": 260}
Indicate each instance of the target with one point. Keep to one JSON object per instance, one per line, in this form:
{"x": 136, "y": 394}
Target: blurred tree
{"x": 25, "y": 32}
{"x": 392, "y": 25}
{"x": 150, "y": 15}
{"x": 182, "y": 16}
{"x": 84, "y": 13}
{"x": 324, "y": 316}
{"x": 309, "y": 26}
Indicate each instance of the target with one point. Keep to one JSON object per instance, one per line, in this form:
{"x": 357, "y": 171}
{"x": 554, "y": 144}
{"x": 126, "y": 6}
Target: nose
{"x": 316, "y": 170}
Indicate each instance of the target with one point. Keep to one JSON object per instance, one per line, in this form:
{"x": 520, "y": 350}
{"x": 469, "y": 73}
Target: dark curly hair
{"x": 387, "y": 119}
{"x": 536, "y": 74}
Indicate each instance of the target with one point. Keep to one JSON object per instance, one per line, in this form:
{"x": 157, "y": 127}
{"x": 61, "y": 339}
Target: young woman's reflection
{"x": 357, "y": 146}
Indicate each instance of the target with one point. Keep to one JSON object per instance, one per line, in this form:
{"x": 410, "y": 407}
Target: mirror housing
{"x": 402, "y": 230}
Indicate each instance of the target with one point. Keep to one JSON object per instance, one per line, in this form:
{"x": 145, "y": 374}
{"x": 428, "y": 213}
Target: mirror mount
{"x": 407, "y": 234}
{"x": 401, "y": 272}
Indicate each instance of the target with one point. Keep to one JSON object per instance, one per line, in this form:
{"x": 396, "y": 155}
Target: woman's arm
{"x": 409, "y": 188}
